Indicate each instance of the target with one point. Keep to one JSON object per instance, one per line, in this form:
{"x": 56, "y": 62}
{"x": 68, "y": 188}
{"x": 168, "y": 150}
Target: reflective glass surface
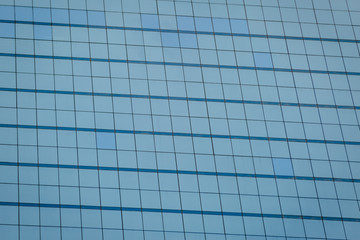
{"x": 184, "y": 119}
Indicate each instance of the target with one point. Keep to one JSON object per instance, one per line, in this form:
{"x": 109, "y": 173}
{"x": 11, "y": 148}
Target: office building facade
{"x": 192, "y": 119}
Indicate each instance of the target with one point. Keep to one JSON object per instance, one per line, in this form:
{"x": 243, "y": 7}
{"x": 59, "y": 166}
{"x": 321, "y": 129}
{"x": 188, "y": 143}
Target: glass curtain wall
{"x": 174, "y": 120}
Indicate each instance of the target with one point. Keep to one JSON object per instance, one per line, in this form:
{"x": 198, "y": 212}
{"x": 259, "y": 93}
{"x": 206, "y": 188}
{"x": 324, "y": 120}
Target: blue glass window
{"x": 23, "y": 13}
{"x": 6, "y": 13}
{"x": 78, "y": 17}
{"x": 96, "y": 18}
{"x": 203, "y": 24}
{"x": 263, "y": 60}
{"x": 221, "y": 25}
{"x": 283, "y": 166}
{"x": 170, "y": 39}
{"x": 60, "y": 16}
{"x": 42, "y": 15}
{"x": 10, "y": 232}
{"x": 7, "y": 30}
{"x": 186, "y": 23}
{"x": 188, "y": 40}
{"x": 42, "y": 32}
{"x": 105, "y": 140}
{"x": 239, "y": 26}
{"x": 150, "y": 21}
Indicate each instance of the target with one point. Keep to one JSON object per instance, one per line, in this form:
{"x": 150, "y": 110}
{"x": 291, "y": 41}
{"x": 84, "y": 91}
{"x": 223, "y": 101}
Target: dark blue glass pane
{"x": 60, "y": 16}
{"x": 150, "y": 21}
{"x": 96, "y": 18}
{"x": 188, "y": 40}
{"x": 239, "y": 26}
{"x": 170, "y": 39}
{"x": 78, "y": 17}
{"x": 7, "y": 30}
{"x": 203, "y": 24}
{"x": 283, "y": 166}
{"x": 42, "y": 15}
{"x": 263, "y": 60}
{"x": 221, "y": 25}
{"x": 185, "y": 23}
{"x": 6, "y": 12}
{"x": 105, "y": 140}
{"x": 23, "y": 13}
{"x": 42, "y": 32}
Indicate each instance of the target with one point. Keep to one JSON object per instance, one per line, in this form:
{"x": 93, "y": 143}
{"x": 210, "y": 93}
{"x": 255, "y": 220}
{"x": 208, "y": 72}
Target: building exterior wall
{"x": 203, "y": 119}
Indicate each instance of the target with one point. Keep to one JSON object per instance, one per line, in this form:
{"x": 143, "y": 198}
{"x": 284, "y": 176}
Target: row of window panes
{"x": 155, "y": 223}
{"x": 200, "y": 11}
{"x": 184, "y": 40}
{"x": 185, "y": 7}
{"x": 61, "y": 33}
{"x": 341, "y": 194}
{"x": 174, "y": 55}
{"x": 207, "y": 183}
{"x": 200, "y": 108}
{"x": 163, "y": 143}
{"x": 179, "y": 161}
{"x": 195, "y": 125}
{"x": 207, "y": 48}
{"x": 175, "y": 76}
{"x": 250, "y": 93}
{"x": 190, "y": 201}
{"x": 294, "y": 126}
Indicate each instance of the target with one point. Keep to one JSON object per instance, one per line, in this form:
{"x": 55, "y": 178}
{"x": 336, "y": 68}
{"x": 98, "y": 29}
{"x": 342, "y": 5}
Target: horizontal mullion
{"x": 156, "y": 133}
{"x": 129, "y": 209}
{"x": 178, "y": 98}
{"x": 178, "y": 64}
{"x": 224, "y": 174}
{"x": 181, "y": 31}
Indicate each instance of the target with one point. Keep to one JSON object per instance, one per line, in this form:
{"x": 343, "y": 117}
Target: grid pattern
{"x": 203, "y": 119}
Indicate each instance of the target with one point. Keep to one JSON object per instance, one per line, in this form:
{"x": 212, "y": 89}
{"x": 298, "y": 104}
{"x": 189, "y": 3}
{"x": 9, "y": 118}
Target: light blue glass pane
{"x": 263, "y": 60}
{"x": 334, "y": 229}
{"x": 42, "y": 15}
{"x": 9, "y": 232}
{"x": 193, "y": 223}
{"x": 283, "y": 166}
{"x": 188, "y": 40}
{"x": 173, "y": 222}
{"x": 71, "y": 233}
{"x": 92, "y": 234}
{"x": 23, "y": 13}
{"x": 50, "y": 233}
{"x": 170, "y": 39}
{"x": 132, "y": 220}
{"x": 186, "y": 23}
{"x": 314, "y": 228}
{"x": 175, "y": 235}
{"x": 239, "y": 26}
{"x": 150, "y": 21}
{"x": 29, "y": 233}
{"x": 7, "y": 30}
{"x": 195, "y": 236}
{"x": 78, "y": 17}
{"x": 105, "y": 140}
{"x": 203, "y": 24}
{"x": 221, "y": 25}
{"x": 274, "y": 226}
{"x": 60, "y": 16}
{"x": 96, "y": 18}
{"x": 150, "y": 235}
{"x": 131, "y": 234}
{"x": 6, "y": 13}
{"x": 42, "y": 32}
{"x": 110, "y": 234}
